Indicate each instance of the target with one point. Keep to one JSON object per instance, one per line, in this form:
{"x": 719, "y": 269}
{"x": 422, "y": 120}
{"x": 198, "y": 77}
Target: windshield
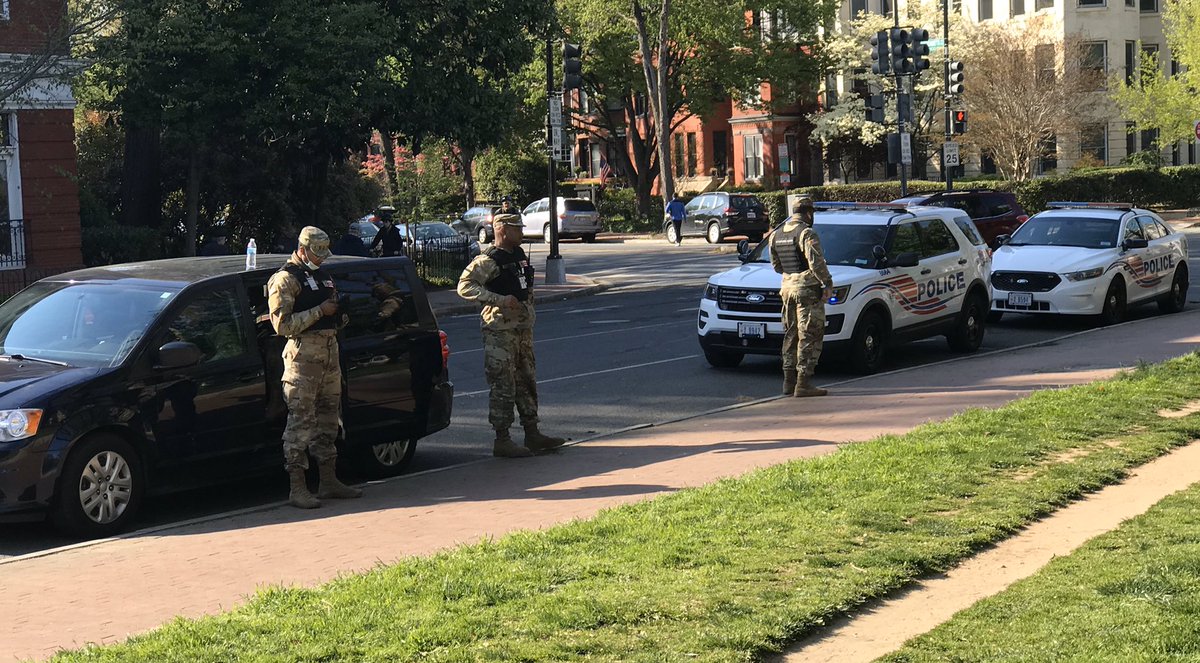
{"x": 433, "y": 231}
{"x": 1087, "y": 232}
{"x": 743, "y": 202}
{"x": 81, "y": 324}
{"x": 850, "y": 245}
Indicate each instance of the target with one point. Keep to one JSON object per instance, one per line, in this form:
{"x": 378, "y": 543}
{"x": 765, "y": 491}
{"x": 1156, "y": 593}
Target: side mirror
{"x": 178, "y": 354}
{"x": 1000, "y": 241}
{"x": 906, "y": 260}
{"x": 743, "y": 247}
{"x": 1134, "y": 243}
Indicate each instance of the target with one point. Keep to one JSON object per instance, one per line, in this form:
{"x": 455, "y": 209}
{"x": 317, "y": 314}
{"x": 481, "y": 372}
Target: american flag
{"x": 605, "y": 171}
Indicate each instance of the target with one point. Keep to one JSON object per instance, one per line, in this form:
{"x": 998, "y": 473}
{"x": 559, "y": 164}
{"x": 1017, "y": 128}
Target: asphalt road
{"x": 625, "y": 357}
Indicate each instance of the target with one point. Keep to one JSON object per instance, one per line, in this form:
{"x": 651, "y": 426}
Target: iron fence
{"x": 441, "y": 260}
{"x": 12, "y": 243}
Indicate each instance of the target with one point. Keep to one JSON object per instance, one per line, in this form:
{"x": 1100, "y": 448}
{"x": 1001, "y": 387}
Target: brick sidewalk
{"x": 107, "y": 591}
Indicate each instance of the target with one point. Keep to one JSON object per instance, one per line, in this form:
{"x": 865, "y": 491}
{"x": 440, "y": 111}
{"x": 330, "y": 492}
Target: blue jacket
{"x": 676, "y": 210}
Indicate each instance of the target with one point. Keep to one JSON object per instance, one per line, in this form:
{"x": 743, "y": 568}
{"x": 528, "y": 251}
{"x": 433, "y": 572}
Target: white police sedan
{"x": 1090, "y": 259}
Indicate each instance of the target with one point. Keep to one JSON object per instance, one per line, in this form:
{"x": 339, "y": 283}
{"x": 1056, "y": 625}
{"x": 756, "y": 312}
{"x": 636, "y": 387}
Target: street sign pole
{"x": 946, "y": 95}
{"x": 556, "y": 272}
{"x": 900, "y": 116}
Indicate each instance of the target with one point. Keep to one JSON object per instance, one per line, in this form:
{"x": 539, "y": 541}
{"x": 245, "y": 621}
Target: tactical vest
{"x": 315, "y": 289}
{"x": 786, "y": 245}
{"x": 516, "y": 274}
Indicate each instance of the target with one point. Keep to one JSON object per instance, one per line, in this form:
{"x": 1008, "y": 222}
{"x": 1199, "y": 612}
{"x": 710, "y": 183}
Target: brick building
{"x": 39, "y": 199}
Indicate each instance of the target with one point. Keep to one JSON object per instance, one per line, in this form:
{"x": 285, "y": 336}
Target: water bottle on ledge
{"x": 251, "y": 254}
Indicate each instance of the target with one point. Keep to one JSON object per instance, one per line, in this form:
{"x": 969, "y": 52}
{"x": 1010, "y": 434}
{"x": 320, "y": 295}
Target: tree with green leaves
{"x": 1160, "y": 100}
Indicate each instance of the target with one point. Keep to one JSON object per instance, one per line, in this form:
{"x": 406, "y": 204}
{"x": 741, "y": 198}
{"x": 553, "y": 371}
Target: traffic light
{"x": 904, "y": 104}
{"x": 572, "y": 67}
{"x": 880, "y": 53}
{"x": 920, "y": 49}
{"x": 875, "y": 105}
{"x": 901, "y": 51}
{"x": 955, "y": 82}
{"x": 960, "y": 121}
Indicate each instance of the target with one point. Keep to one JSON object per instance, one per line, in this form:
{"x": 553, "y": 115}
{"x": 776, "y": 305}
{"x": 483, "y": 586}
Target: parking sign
{"x": 950, "y": 150}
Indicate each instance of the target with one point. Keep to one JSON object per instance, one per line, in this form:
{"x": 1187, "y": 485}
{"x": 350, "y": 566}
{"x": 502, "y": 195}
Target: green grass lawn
{"x": 724, "y": 572}
{"x": 1130, "y": 595}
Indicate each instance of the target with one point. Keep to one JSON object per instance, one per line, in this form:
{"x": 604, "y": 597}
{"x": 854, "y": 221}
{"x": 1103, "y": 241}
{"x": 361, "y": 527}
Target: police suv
{"x": 1090, "y": 259}
{"x": 899, "y": 274}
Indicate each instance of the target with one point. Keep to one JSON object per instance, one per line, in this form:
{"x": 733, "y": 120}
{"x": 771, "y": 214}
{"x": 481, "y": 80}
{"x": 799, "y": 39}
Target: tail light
{"x": 562, "y": 216}
{"x": 1022, "y": 218}
{"x": 445, "y": 350}
{"x": 729, "y": 211}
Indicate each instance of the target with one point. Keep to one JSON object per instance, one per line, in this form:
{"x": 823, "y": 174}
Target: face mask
{"x": 310, "y": 266}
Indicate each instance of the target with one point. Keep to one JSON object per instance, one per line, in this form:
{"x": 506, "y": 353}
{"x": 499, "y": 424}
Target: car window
{"x": 1149, "y": 228}
{"x": 904, "y": 240}
{"x": 744, "y": 202}
{"x": 375, "y": 302}
{"x": 997, "y": 205}
{"x": 694, "y": 204}
{"x": 212, "y": 322}
{"x": 717, "y": 201}
{"x": 1056, "y": 230}
{"x": 573, "y": 205}
{"x": 967, "y": 226}
{"x": 968, "y": 204}
{"x": 936, "y": 238}
{"x": 1133, "y": 230}
{"x": 530, "y": 209}
{"x": 433, "y": 231}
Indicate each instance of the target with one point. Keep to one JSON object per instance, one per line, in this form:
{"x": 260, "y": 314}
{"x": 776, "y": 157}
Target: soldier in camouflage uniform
{"x": 303, "y": 306}
{"x": 807, "y": 285}
{"x": 502, "y": 281}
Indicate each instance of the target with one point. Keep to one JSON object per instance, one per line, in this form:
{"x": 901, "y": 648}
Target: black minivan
{"x": 122, "y": 381}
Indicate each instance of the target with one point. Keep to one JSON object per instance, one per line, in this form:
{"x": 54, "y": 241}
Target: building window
{"x": 1043, "y": 4}
{"x": 1131, "y": 3}
{"x": 1043, "y": 56}
{"x": 1017, "y": 7}
{"x": 4, "y": 10}
{"x": 1150, "y": 139}
{"x": 985, "y": 9}
{"x": 1130, "y": 139}
{"x": 1093, "y": 140}
{"x": 1095, "y": 62}
{"x": 1048, "y": 161}
{"x": 1130, "y": 62}
{"x": 1150, "y": 54}
{"x": 987, "y": 165}
{"x": 1191, "y": 151}
{"x": 1174, "y": 67}
{"x": 885, "y": 7}
{"x": 595, "y": 160}
{"x": 720, "y": 152}
{"x": 857, "y": 7}
{"x": 1176, "y": 157}
{"x": 1092, "y": 3}
{"x": 691, "y": 154}
{"x": 678, "y": 154}
{"x": 1149, "y": 6}
{"x": 752, "y": 147}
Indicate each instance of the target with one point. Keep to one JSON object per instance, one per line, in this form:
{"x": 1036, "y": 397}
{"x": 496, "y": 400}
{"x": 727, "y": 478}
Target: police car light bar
{"x": 831, "y": 205}
{"x": 1061, "y": 204}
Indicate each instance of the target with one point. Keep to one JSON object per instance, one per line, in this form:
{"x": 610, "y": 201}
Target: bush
{"x": 618, "y": 209}
{"x": 1171, "y": 187}
{"x": 110, "y": 243}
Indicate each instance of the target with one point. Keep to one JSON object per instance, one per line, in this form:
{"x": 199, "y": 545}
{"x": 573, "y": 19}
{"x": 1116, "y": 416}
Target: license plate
{"x": 1020, "y": 299}
{"x": 752, "y": 330}
{"x": 751, "y": 215}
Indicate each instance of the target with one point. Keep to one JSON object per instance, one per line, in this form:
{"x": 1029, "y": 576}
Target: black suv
{"x": 715, "y": 216}
{"x": 477, "y": 222}
{"x": 995, "y": 213}
{"x": 121, "y": 381}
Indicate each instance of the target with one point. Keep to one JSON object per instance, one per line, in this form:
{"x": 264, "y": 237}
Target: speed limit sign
{"x": 951, "y": 153}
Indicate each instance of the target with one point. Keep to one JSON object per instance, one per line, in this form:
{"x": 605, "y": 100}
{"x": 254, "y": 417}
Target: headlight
{"x": 1085, "y": 274}
{"x": 840, "y": 293}
{"x": 19, "y": 424}
{"x": 710, "y": 292}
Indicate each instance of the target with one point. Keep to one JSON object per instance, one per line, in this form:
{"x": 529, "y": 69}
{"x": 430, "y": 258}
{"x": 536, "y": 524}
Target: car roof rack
{"x": 1067, "y": 204}
{"x": 874, "y": 207}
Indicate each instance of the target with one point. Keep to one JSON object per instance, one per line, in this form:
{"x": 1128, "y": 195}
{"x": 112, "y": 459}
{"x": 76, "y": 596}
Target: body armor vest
{"x": 516, "y": 274}
{"x": 315, "y": 288}
{"x": 786, "y": 245}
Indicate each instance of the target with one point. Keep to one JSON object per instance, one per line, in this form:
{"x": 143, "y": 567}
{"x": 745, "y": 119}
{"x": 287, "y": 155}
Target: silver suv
{"x": 577, "y": 217}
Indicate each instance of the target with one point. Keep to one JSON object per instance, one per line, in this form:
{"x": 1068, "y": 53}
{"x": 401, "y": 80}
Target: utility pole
{"x": 556, "y": 272}
{"x": 897, "y": 32}
{"x": 946, "y": 94}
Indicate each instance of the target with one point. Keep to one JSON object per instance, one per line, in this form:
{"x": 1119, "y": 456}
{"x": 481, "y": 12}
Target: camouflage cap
{"x": 314, "y": 240}
{"x": 508, "y": 220}
{"x": 804, "y": 203}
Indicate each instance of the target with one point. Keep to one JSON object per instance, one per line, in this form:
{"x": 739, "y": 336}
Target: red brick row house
{"x": 39, "y": 198}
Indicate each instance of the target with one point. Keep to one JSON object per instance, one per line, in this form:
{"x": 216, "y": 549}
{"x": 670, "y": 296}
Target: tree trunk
{"x": 466, "y": 159}
{"x": 141, "y": 204}
{"x": 192, "y": 203}
{"x": 389, "y": 163}
{"x": 656, "y": 75}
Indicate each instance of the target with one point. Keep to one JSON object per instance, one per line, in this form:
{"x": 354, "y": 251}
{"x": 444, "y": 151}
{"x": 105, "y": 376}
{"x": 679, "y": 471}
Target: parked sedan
{"x": 577, "y": 217}
{"x": 433, "y": 236}
{"x": 715, "y": 216}
{"x": 995, "y": 213}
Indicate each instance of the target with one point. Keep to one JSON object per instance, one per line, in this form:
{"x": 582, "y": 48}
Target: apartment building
{"x": 1119, "y": 34}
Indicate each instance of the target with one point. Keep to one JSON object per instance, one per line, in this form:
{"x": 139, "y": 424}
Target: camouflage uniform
{"x": 803, "y": 301}
{"x": 312, "y": 376}
{"x": 508, "y": 358}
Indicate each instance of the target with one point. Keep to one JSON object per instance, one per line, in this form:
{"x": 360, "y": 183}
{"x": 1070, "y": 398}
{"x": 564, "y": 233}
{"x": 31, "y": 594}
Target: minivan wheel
{"x": 100, "y": 489}
{"x": 672, "y": 236}
{"x": 1176, "y": 297}
{"x": 483, "y": 235}
{"x": 546, "y": 233}
{"x": 1114, "y": 303}
{"x": 713, "y": 234}
{"x": 968, "y": 331}
{"x": 868, "y": 346}
{"x": 379, "y": 461}
{"x": 723, "y": 358}
{"x": 589, "y": 238}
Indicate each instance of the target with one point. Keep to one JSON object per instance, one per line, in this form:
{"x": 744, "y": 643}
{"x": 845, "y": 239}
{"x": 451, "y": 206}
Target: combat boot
{"x": 331, "y": 488}
{"x": 537, "y": 442}
{"x": 804, "y": 388}
{"x": 299, "y": 496}
{"x": 504, "y": 447}
{"x": 789, "y": 382}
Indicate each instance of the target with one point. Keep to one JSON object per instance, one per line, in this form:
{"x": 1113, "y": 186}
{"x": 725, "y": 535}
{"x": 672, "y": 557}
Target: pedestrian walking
{"x": 390, "y": 238}
{"x": 501, "y": 280}
{"x": 677, "y": 213}
{"x": 796, "y": 253}
{"x": 304, "y": 308}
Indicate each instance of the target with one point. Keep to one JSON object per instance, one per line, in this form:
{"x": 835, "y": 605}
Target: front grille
{"x": 734, "y": 299}
{"x": 1034, "y": 281}
{"x": 1037, "y": 306}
